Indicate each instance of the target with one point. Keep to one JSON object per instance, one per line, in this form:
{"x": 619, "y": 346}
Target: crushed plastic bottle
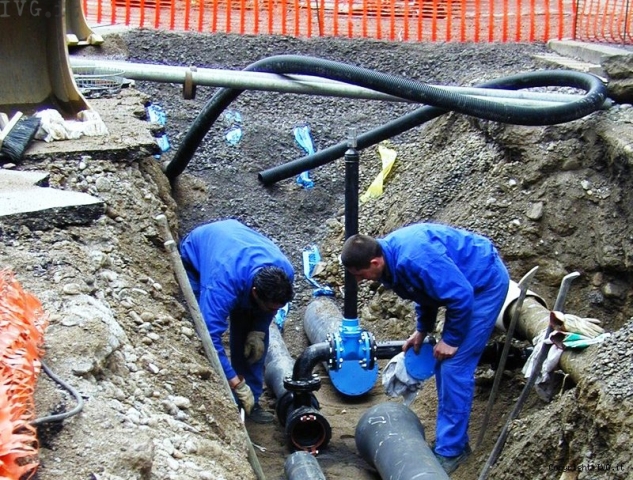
{"x": 304, "y": 180}
{"x": 232, "y": 119}
{"x": 303, "y": 137}
{"x": 280, "y": 317}
{"x": 156, "y": 114}
{"x": 233, "y": 135}
{"x": 311, "y": 258}
{"x": 163, "y": 142}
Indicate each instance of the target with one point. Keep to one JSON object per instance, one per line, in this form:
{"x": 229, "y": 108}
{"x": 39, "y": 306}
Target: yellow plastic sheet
{"x": 388, "y": 157}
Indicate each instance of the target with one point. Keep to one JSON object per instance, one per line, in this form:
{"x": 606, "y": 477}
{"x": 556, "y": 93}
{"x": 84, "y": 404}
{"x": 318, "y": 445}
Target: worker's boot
{"x": 259, "y": 415}
{"x": 450, "y": 464}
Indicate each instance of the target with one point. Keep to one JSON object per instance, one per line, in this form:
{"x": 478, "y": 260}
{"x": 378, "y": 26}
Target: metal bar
{"x": 524, "y": 285}
{"x": 203, "y": 333}
{"x": 304, "y": 84}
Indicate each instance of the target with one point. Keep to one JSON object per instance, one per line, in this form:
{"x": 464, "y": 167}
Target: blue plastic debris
{"x": 163, "y": 142}
{"x": 233, "y": 121}
{"x": 231, "y": 117}
{"x": 304, "y": 180}
{"x": 234, "y": 135}
{"x": 311, "y": 257}
{"x": 280, "y": 316}
{"x": 303, "y": 136}
{"x": 156, "y": 114}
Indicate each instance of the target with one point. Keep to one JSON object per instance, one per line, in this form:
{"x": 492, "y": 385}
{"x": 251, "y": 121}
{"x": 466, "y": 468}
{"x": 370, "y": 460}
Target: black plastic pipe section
{"x": 310, "y": 358}
{"x": 390, "y": 437}
{"x": 388, "y": 350}
{"x": 412, "y": 91}
{"x": 427, "y": 113}
{"x": 352, "y": 160}
{"x": 322, "y": 317}
{"x": 302, "y": 466}
{"x": 364, "y": 140}
{"x": 306, "y": 428}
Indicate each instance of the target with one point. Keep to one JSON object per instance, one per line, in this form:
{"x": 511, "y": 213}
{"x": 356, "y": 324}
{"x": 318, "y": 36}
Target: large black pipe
{"x": 390, "y": 437}
{"x": 302, "y": 466}
{"x": 306, "y": 428}
{"x": 352, "y": 159}
{"x": 413, "y": 91}
{"x": 322, "y": 317}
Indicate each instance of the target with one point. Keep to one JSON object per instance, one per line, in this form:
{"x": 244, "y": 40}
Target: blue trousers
{"x": 455, "y": 377}
{"x": 253, "y": 374}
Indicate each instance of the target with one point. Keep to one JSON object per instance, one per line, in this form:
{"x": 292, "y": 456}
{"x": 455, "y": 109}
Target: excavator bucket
{"x": 77, "y": 30}
{"x": 36, "y": 72}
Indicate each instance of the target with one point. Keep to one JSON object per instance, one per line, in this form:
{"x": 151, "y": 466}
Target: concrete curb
{"x": 587, "y": 52}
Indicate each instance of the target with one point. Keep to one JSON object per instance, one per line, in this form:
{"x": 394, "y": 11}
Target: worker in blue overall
{"x": 240, "y": 279}
{"x": 440, "y": 266}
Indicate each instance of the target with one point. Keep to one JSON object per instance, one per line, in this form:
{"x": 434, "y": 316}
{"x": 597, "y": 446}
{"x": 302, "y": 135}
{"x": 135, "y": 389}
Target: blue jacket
{"x": 439, "y": 266}
{"x": 222, "y": 259}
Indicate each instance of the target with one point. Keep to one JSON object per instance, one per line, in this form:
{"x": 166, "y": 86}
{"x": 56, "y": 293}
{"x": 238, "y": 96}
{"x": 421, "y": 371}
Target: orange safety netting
{"x": 22, "y": 324}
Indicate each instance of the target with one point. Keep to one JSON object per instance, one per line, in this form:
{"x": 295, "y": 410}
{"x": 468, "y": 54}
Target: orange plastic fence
{"x": 22, "y": 324}
{"x": 399, "y": 20}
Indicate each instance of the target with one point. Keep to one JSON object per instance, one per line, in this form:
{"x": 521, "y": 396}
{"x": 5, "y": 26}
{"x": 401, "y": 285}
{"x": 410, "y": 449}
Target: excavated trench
{"x": 536, "y": 191}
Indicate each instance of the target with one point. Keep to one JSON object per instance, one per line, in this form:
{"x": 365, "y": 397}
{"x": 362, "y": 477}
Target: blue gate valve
{"x": 352, "y": 365}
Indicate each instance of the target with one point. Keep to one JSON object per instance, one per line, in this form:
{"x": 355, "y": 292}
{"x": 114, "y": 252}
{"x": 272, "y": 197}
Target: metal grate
{"x": 96, "y": 82}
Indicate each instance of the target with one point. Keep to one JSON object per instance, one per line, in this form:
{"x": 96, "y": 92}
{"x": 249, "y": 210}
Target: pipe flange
{"x": 307, "y": 429}
{"x": 188, "y": 87}
{"x": 332, "y": 362}
{"x": 302, "y": 385}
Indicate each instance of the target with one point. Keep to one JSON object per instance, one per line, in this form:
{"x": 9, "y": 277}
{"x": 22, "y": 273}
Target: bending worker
{"x": 240, "y": 278}
{"x": 439, "y": 266}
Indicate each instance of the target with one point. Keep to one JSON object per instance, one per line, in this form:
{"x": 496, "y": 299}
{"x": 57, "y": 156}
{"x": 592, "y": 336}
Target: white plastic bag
{"x": 397, "y": 381}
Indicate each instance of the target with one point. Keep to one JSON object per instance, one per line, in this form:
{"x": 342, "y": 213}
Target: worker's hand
{"x": 245, "y": 396}
{"x": 565, "y": 322}
{"x": 415, "y": 341}
{"x": 442, "y": 351}
{"x": 254, "y": 348}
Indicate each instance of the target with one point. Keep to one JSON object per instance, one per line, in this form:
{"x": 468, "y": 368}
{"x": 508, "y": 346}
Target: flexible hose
{"x": 410, "y": 90}
{"x": 61, "y": 416}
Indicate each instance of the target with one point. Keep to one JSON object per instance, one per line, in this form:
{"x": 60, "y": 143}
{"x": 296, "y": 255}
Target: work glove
{"x": 254, "y": 348}
{"x": 565, "y": 322}
{"x": 245, "y": 396}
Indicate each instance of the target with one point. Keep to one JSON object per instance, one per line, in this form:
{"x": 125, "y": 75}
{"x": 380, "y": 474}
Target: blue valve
{"x": 353, "y": 368}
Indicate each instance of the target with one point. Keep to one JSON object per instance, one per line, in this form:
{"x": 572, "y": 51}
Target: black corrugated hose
{"x": 437, "y": 101}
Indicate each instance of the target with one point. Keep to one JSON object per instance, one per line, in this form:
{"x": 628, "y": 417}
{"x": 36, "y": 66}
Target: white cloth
{"x": 397, "y": 381}
{"x": 549, "y": 364}
{"x": 54, "y": 127}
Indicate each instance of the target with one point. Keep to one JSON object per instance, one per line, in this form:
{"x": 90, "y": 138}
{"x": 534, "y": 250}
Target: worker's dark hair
{"x": 273, "y": 285}
{"x": 359, "y": 250}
